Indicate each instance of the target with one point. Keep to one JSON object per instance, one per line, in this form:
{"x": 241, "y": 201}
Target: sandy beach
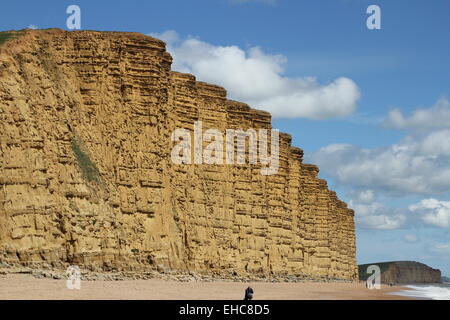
{"x": 19, "y": 286}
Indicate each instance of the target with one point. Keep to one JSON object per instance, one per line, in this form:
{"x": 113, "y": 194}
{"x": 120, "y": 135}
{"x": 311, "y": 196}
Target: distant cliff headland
{"x": 403, "y": 272}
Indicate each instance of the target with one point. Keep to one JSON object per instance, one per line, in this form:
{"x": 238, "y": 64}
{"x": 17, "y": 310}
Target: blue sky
{"x": 392, "y": 127}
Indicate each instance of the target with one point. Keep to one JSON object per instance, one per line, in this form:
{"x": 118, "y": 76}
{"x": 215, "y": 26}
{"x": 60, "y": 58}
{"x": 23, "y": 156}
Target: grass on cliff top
{"x": 9, "y": 35}
{"x": 362, "y": 269}
{"x": 88, "y": 168}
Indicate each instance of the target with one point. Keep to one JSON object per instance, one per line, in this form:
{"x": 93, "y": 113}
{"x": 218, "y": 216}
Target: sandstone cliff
{"x": 403, "y": 272}
{"x": 86, "y": 176}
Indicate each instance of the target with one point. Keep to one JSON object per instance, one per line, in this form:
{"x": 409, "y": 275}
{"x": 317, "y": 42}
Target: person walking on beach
{"x": 248, "y": 294}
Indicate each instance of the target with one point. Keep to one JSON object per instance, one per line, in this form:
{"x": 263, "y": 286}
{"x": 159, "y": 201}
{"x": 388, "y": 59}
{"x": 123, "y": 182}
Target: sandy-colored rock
{"x": 86, "y": 176}
{"x": 402, "y": 272}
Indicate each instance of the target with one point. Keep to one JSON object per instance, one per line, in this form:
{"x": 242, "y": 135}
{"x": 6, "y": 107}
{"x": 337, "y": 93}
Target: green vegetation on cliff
{"x": 9, "y": 35}
{"x": 88, "y": 168}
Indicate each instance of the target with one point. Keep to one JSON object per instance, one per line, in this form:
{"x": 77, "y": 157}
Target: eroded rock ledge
{"x": 86, "y": 176}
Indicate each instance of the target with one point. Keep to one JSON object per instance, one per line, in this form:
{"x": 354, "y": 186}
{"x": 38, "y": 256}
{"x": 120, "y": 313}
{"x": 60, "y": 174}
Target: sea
{"x": 438, "y": 291}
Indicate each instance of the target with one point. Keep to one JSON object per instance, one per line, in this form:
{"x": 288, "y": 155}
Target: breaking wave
{"x": 434, "y": 292}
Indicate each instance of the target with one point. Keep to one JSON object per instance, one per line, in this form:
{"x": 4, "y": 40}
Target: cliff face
{"x": 404, "y": 272}
{"x": 86, "y": 175}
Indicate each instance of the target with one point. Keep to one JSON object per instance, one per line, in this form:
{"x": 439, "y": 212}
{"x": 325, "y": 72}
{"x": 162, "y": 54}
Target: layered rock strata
{"x": 403, "y": 272}
{"x": 86, "y": 175}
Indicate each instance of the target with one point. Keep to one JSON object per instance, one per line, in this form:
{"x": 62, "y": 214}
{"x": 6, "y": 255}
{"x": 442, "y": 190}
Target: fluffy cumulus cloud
{"x": 416, "y": 165}
{"x": 433, "y": 212}
{"x": 383, "y": 221}
{"x": 365, "y": 196}
{"x": 371, "y": 214}
{"x": 256, "y": 78}
{"x": 437, "y": 116}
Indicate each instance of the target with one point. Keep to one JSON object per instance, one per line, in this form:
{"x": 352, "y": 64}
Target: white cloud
{"x": 436, "y": 144}
{"x": 433, "y": 212}
{"x": 366, "y": 209}
{"x": 415, "y": 165}
{"x": 169, "y": 37}
{"x": 32, "y": 26}
{"x": 437, "y": 116}
{"x": 441, "y": 247}
{"x": 384, "y": 222}
{"x": 370, "y": 214}
{"x": 365, "y": 196}
{"x": 255, "y": 77}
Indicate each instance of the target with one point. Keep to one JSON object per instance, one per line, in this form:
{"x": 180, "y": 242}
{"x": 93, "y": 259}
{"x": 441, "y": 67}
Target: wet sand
{"x": 17, "y": 286}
